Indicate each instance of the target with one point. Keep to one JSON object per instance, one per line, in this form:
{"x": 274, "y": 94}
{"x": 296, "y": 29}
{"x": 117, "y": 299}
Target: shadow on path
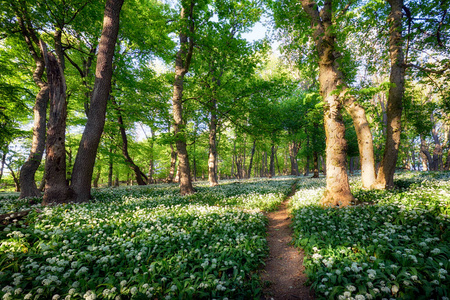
{"x": 283, "y": 274}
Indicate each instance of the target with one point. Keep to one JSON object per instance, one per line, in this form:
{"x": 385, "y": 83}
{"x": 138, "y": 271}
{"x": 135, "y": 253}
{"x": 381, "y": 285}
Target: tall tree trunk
{"x": 308, "y": 160}
{"x": 110, "y": 169}
{"x": 56, "y": 187}
{"x": 337, "y": 191}
{"x": 182, "y": 62}
{"x": 316, "y": 164}
{"x": 2, "y": 165}
{"x": 425, "y": 154}
{"x": 272, "y": 161}
{"x": 87, "y": 151}
{"x": 365, "y": 141}
{"x": 437, "y": 152}
{"x": 151, "y": 164}
{"x": 97, "y": 178}
{"x": 293, "y": 150}
{"x": 385, "y": 176}
{"x": 173, "y": 163}
{"x": 141, "y": 178}
{"x": 249, "y": 174}
{"x": 212, "y": 175}
{"x": 38, "y": 50}
{"x": 29, "y": 168}
{"x": 15, "y": 178}
{"x": 276, "y": 162}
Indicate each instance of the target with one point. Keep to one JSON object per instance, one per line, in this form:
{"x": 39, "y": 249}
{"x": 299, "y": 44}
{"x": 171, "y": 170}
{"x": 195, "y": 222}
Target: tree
{"x": 182, "y": 63}
{"x": 84, "y": 162}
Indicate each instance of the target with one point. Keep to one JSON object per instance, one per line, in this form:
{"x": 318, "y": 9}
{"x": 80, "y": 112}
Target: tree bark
{"x": 87, "y": 151}
{"x": 141, "y": 178}
{"x": 385, "y": 176}
{"x": 15, "y": 178}
{"x": 97, "y": 178}
{"x": 337, "y": 191}
{"x": 425, "y": 154}
{"x": 272, "y": 161}
{"x": 251, "y": 160}
{"x": 316, "y": 164}
{"x": 56, "y": 187}
{"x": 173, "y": 163}
{"x": 151, "y": 164}
{"x": 182, "y": 62}
{"x": 2, "y": 165}
{"x": 110, "y": 169}
{"x": 437, "y": 152}
{"x": 293, "y": 150}
{"x": 365, "y": 141}
{"x": 212, "y": 174}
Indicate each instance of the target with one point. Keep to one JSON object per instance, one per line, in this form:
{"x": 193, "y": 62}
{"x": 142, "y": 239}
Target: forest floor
{"x": 283, "y": 276}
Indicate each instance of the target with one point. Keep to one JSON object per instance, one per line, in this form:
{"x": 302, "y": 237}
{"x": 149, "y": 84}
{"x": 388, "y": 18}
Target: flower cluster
{"x": 142, "y": 243}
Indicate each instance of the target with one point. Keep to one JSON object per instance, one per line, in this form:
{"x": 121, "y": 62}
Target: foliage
{"x": 393, "y": 244}
{"x": 142, "y": 243}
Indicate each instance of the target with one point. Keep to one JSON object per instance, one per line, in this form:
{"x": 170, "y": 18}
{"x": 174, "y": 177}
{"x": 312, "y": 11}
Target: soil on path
{"x": 283, "y": 275}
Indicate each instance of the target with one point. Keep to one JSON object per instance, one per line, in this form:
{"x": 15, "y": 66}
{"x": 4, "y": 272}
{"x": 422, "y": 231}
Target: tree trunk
{"x": 425, "y": 154}
{"x": 293, "y": 150}
{"x": 385, "y": 176}
{"x": 182, "y": 62}
{"x": 365, "y": 141}
{"x": 2, "y": 166}
{"x": 173, "y": 163}
{"x": 38, "y": 50}
{"x": 316, "y": 164}
{"x": 437, "y": 152}
{"x": 87, "y": 151}
{"x": 97, "y": 178}
{"x": 251, "y": 160}
{"x": 29, "y": 168}
{"x": 110, "y": 169}
{"x": 337, "y": 191}
{"x": 212, "y": 175}
{"x": 56, "y": 187}
{"x": 151, "y": 164}
{"x": 306, "y": 173}
{"x": 272, "y": 161}
{"x": 141, "y": 178}
{"x": 15, "y": 178}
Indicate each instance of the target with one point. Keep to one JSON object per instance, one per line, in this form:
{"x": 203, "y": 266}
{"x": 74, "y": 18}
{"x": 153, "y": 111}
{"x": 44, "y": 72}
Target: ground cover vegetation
{"x": 392, "y": 244}
{"x": 142, "y": 243}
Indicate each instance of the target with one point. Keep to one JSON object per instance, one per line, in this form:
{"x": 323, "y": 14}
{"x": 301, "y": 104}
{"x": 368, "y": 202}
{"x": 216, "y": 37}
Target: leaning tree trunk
{"x": 365, "y": 141}
{"x": 385, "y": 176}
{"x": 212, "y": 174}
{"x": 182, "y": 62}
{"x": 141, "y": 178}
{"x": 56, "y": 187}
{"x": 38, "y": 51}
{"x": 87, "y": 151}
{"x": 337, "y": 191}
{"x": 251, "y": 160}
{"x": 29, "y": 168}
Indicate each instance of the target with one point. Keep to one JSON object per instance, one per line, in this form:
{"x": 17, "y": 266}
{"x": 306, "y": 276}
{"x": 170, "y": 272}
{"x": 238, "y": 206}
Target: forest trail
{"x": 284, "y": 266}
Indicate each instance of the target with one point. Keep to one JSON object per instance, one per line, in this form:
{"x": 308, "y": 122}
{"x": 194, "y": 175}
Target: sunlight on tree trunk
{"x": 385, "y": 176}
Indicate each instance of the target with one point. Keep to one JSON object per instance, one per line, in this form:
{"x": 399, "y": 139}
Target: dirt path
{"x": 284, "y": 269}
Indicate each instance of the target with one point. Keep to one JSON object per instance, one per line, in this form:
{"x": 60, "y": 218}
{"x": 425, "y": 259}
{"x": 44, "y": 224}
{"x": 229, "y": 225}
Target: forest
{"x": 144, "y": 142}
